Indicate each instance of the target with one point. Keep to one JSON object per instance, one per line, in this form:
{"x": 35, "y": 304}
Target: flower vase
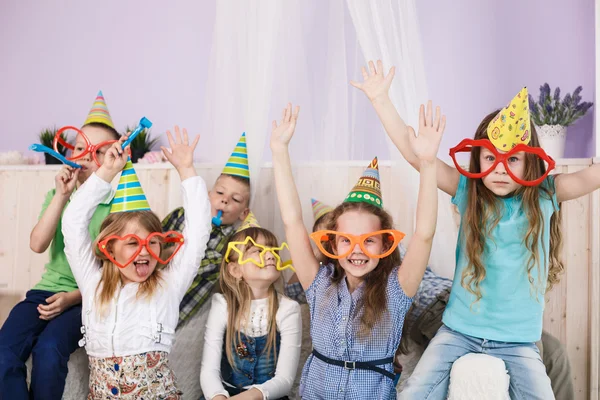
{"x": 552, "y": 139}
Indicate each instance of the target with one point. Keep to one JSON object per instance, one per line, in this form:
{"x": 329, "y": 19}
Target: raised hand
{"x": 181, "y": 153}
{"x": 282, "y": 134}
{"x": 114, "y": 160}
{"x": 65, "y": 180}
{"x": 426, "y": 145}
{"x": 375, "y": 84}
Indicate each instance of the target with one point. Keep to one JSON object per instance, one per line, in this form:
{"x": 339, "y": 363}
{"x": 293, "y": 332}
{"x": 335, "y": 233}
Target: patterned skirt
{"x": 144, "y": 376}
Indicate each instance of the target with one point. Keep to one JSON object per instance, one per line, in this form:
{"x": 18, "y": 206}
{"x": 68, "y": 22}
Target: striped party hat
{"x": 368, "y": 187}
{"x": 237, "y": 165}
{"x": 130, "y": 195}
{"x": 99, "y": 112}
{"x": 319, "y": 209}
{"x": 249, "y": 222}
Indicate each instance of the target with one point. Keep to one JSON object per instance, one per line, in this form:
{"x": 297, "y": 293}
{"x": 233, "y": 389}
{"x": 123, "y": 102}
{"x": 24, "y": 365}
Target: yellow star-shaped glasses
{"x": 232, "y": 246}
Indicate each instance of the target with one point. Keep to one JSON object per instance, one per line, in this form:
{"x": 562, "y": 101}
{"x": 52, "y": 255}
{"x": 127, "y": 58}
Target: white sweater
{"x": 133, "y": 326}
{"x": 289, "y": 326}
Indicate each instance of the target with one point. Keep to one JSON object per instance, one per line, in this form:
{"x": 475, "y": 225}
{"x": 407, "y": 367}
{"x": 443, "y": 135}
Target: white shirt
{"x": 289, "y": 325}
{"x": 133, "y": 326}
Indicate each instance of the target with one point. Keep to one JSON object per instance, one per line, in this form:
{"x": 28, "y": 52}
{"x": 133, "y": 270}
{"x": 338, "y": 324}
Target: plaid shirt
{"x": 295, "y": 292}
{"x": 208, "y": 271}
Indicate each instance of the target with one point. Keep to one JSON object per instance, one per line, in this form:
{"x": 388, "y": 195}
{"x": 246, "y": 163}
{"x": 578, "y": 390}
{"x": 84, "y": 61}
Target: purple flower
{"x": 586, "y": 106}
{"x": 576, "y": 96}
{"x": 543, "y": 93}
{"x": 567, "y": 100}
{"x": 557, "y": 94}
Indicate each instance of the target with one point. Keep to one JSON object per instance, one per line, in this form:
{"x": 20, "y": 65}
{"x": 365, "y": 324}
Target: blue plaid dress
{"x": 334, "y": 327}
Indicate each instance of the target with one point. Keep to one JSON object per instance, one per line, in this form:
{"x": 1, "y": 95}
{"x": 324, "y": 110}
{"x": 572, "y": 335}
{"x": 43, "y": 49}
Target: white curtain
{"x": 389, "y": 30}
{"x": 240, "y": 77}
{"x": 266, "y": 53}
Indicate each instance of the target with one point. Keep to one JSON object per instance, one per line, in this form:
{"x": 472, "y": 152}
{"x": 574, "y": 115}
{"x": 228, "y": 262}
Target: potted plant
{"x": 47, "y": 139}
{"x": 141, "y": 144}
{"x": 552, "y": 116}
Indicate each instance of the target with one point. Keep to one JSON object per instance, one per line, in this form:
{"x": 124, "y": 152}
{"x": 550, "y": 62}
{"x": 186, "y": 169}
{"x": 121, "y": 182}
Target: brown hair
{"x": 483, "y": 212}
{"x": 114, "y": 224}
{"x": 112, "y": 131}
{"x": 238, "y": 295}
{"x": 373, "y": 304}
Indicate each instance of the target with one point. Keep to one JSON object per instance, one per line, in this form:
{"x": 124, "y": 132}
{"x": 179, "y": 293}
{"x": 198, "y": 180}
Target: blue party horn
{"x": 217, "y": 220}
{"x": 43, "y": 149}
{"x": 144, "y": 123}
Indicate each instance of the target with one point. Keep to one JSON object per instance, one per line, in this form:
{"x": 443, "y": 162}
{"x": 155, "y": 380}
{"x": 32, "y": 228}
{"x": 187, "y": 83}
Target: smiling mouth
{"x": 358, "y": 263}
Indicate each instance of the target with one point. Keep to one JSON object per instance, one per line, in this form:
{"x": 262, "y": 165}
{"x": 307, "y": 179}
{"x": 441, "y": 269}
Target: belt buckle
{"x": 349, "y": 365}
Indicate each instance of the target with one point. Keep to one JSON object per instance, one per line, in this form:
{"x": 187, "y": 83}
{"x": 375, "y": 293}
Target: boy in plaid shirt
{"x": 229, "y": 198}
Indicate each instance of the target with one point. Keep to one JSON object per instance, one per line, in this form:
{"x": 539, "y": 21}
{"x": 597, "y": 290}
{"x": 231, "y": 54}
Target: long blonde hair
{"x": 373, "y": 302}
{"x": 483, "y": 213}
{"x": 115, "y": 224}
{"x": 238, "y": 295}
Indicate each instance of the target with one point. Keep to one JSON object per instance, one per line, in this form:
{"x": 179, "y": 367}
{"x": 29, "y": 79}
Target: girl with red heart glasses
{"x": 152, "y": 244}
{"x": 508, "y": 252}
{"x": 131, "y": 292}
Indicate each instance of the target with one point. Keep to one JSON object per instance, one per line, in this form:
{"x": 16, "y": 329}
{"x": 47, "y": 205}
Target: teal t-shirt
{"x": 511, "y": 308}
{"x": 57, "y": 276}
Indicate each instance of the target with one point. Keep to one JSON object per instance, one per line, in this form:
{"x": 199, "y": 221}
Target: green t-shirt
{"x": 58, "y": 276}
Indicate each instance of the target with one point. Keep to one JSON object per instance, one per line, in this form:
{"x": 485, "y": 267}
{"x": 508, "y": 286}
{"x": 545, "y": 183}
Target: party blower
{"x": 43, "y": 149}
{"x": 144, "y": 124}
{"x": 217, "y": 219}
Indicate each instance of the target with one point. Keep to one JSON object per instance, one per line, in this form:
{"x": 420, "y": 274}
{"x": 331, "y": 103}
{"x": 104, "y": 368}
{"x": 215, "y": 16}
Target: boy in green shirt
{"x": 47, "y": 323}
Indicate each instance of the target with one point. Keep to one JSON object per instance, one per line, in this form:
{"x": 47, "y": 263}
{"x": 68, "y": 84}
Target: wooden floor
{"x": 573, "y": 307}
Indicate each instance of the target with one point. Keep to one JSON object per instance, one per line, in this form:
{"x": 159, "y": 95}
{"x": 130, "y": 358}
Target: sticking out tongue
{"x": 142, "y": 268}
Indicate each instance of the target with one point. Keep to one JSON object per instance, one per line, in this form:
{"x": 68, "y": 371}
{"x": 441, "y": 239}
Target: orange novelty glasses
{"x": 77, "y": 149}
{"x": 468, "y": 145}
{"x": 152, "y": 243}
{"x": 377, "y": 244}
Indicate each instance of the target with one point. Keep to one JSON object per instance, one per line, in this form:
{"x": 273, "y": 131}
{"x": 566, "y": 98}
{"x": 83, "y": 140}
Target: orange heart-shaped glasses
{"x": 80, "y": 150}
{"x": 152, "y": 243}
{"x": 467, "y": 145}
{"x": 345, "y": 243}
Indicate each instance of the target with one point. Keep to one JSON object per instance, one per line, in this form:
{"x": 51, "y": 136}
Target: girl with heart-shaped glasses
{"x": 509, "y": 249}
{"x": 259, "y": 329}
{"x": 131, "y": 291}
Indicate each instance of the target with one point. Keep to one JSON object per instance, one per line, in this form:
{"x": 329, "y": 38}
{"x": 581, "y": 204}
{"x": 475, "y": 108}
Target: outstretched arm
{"x": 376, "y": 87}
{"x": 574, "y": 185}
{"x": 425, "y": 147}
{"x": 305, "y": 261}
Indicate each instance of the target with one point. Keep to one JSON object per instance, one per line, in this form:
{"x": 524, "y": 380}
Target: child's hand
{"x": 65, "y": 180}
{"x": 282, "y": 134}
{"x": 58, "y": 303}
{"x": 181, "y": 154}
{"x": 426, "y": 145}
{"x": 114, "y": 160}
{"x": 375, "y": 84}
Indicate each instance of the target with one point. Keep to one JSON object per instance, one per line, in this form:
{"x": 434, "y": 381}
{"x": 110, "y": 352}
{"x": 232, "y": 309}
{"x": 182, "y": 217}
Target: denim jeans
{"x": 431, "y": 377}
{"x": 49, "y": 342}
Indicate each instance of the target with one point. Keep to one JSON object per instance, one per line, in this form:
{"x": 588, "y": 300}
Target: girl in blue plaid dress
{"x": 357, "y": 302}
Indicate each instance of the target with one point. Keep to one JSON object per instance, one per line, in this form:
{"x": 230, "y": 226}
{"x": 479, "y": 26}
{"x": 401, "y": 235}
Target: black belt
{"x": 370, "y": 365}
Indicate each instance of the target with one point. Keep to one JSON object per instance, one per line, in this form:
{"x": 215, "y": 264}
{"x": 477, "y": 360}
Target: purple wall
{"x": 153, "y": 60}
{"x": 148, "y": 59}
{"x": 478, "y": 54}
